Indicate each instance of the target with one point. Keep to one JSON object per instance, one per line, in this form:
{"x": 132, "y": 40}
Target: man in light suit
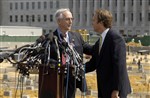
{"x": 109, "y": 58}
{"x": 64, "y": 20}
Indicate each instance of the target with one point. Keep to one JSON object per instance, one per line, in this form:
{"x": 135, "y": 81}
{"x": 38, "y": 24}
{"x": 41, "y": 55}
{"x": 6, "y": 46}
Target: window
{"x": 16, "y": 6}
{"x": 33, "y": 18}
{"x": 91, "y": 4}
{"x": 51, "y": 18}
{"x": 100, "y": 4}
{"x": 140, "y": 16}
{"x": 33, "y": 5}
{"x": 39, "y": 18}
{"x": 16, "y": 18}
{"x": 57, "y": 4}
{"x": 131, "y": 16}
{"x": 140, "y": 2}
{"x": 78, "y": 17}
{"x": 11, "y": 6}
{"x": 51, "y": 4}
{"x": 124, "y": 3}
{"x": 108, "y": 3}
{"x": 27, "y": 5}
{"x": 85, "y": 5}
{"x": 78, "y": 3}
{"x": 10, "y": 18}
{"x": 27, "y": 18}
{"x": 148, "y": 16}
{"x": 39, "y": 5}
{"x": 21, "y": 5}
{"x": 44, "y": 31}
{"x": 132, "y": 2}
{"x": 123, "y": 17}
{"x": 85, "y": 17}
{"x": 45, "y": 5}
{"x": 45, "y": 18}
{"x": 21, "y": 18}
{"x": 116, "y": 3}
{"x": 71, "y": 4}
{"x": 115, "y": 17}
{"x": 50, "y": 31}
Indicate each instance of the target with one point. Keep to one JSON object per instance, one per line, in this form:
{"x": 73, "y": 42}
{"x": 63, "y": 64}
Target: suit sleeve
{"x": 119, "y": 62}
{"x": 91, "y": 65}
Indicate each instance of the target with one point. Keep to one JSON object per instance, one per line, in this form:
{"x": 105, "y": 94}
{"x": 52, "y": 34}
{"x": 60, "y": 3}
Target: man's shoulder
{"x": 114, "y": 33}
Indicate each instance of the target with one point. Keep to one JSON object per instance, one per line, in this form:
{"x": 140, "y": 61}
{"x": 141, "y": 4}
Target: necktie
{"x": 100, "y": 43}
{"x": 63, "y": 57}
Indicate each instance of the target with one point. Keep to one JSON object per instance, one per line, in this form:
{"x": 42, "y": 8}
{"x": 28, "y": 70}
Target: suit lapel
{"x": 71, "y": 37}
{"x": 104, "y": 45}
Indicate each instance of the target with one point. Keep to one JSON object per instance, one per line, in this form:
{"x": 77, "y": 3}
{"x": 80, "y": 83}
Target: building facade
{"x": 130, "y": 17}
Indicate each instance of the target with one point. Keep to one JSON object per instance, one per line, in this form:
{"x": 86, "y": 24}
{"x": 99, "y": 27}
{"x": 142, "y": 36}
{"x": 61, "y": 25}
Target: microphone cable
{"x": 84, "y": 84}
{"x": 21, "y": 86}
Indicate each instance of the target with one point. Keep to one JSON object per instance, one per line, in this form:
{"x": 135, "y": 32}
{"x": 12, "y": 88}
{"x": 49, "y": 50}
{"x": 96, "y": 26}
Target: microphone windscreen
{"x": 50, "y": 37}
{"x": 40, "y": 39}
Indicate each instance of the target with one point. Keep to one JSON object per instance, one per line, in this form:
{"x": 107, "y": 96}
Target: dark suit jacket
{"x": 81, "y": 47}
{"x": 110, "y": 66}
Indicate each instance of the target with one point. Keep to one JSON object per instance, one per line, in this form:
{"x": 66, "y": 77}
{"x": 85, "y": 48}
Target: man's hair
{"x": 105, "y": 17}
{"x": 58, "y": 13}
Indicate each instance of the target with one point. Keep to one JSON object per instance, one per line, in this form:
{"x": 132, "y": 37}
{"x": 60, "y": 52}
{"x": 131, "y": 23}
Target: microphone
{"x": 50, "y": 37}
{"x": 7, "y": 55}
{"x": 39, "y": 40}
{"x": 18, "y": 49}
{"x": 3, "y": 56}
{"x": 46, "y": 39}
{"x": 57, "y": 48}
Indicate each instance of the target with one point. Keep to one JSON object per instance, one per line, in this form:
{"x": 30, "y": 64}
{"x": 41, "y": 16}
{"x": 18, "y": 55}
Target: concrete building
{"x": 131, "y": 17}
{"x": 20, "y": 31}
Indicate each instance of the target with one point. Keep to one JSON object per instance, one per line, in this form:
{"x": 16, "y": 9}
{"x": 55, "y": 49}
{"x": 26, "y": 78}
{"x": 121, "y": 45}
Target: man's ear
{"x": 58, "y": 21}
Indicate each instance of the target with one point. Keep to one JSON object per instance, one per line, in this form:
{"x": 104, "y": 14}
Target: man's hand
{"x": 115, "y": 94}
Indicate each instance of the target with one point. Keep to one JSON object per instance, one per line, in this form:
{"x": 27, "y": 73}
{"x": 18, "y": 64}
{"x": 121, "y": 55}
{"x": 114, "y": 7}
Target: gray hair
{"x": 58, "y": 13}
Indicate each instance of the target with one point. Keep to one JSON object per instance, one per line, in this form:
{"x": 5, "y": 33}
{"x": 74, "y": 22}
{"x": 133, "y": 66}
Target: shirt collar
{"x": 59, "y": 32}
{"x": 104, "y": 34}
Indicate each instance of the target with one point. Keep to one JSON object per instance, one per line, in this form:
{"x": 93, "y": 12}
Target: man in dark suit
{"x": 109, "y": 58}
{"x": 64, "y": 20}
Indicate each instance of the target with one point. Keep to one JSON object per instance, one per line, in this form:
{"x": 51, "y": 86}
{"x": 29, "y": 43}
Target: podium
{"x": 51, "y": 84}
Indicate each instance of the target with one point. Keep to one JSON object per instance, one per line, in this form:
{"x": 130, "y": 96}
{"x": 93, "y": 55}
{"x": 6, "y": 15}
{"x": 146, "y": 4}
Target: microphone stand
{"x": 48, "y": 52}
{"x": 77, "y": 61}
{"x": 68, "y": 62}
{"x": 79, "y": 71}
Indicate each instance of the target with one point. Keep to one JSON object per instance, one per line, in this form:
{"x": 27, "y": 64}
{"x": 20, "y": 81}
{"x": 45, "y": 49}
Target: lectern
{"x": 51, "y": 84}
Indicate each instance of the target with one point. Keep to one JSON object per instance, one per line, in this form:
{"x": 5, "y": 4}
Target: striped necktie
{"x": 100, "y": 43}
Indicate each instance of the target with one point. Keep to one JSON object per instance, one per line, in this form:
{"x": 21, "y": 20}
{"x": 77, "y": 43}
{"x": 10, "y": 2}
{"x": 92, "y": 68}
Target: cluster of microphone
{"x": 29, "y": 57}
